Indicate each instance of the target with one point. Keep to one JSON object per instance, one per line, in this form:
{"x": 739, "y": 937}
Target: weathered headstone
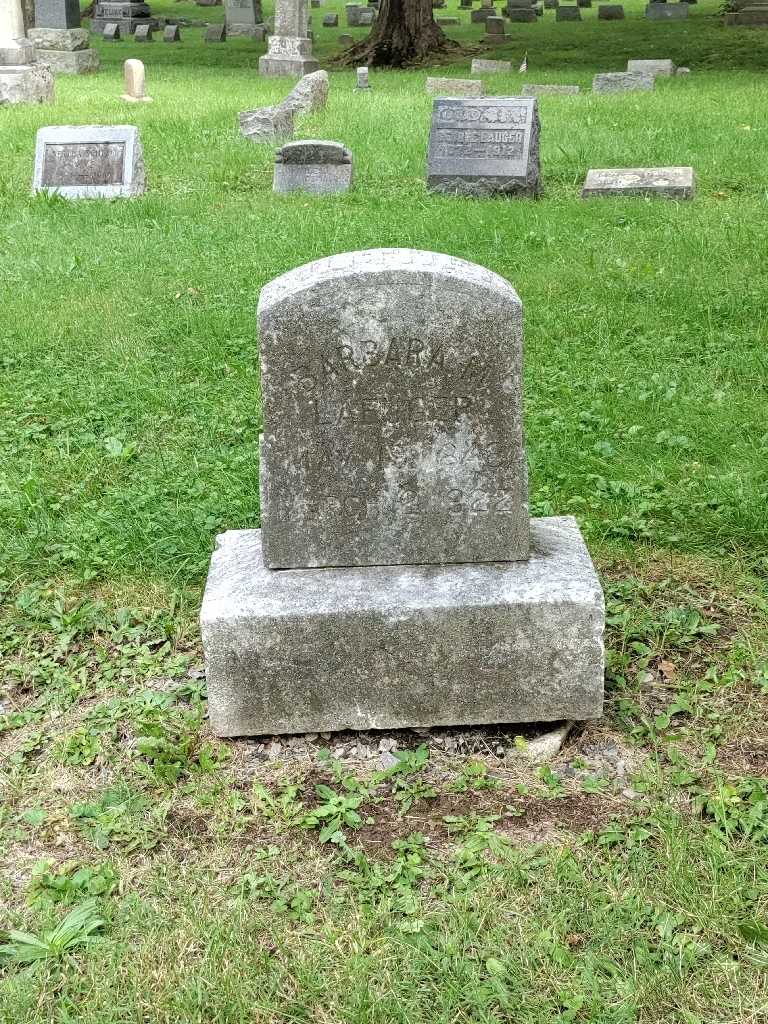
{"x": 568, "y": 12}
{"x": 666, "y": 12}
{"x": 22, "y": 79}
{"x": 448, "y": 21}
{"x": 268, "y": 124}
{"x": 134, "y": 77}
{"x": 454, "y": 87}
{"x": 243, "y": 17}
{"x": 313, "y": 165}
{"x": 290, "y": 48}
{"x": 393, "y": 448}
{"x": 346, "y": 40}
{"x": 494, "y": 27}
{"x": 309, "y": 94}
{"x": 531, "y": 89}
{"x": 520, "y": 13}
{"x": 670, "y": 182}
{"x": 583, "y": 3}
{"x": 362, "y": 79}
{"x": 481, "y": 66}
{"x": 111, "y": 32}
{"x": 482, "y": 13}
{"x": 61, "y": 44}
{"x": 171, "y": 34}
{"x": 143, "y": 34}
{"x": 610, "y": 12}
{"x": 215, "y": 34}
{"x": 127, "y": 15}
{"x": 89, "y": 162}
{"x": 485, "y": 146}
{"x": 330, "y": 21}
{"x": 748, "y": 15}
{"x": 651, "y": 67}
{"x": 622, "y": 81}
{"x": 352, "y": 13}
{"x": 551, "y": 5}
{"x": 366, "y": 17}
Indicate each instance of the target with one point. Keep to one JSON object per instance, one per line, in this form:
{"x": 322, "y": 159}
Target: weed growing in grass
{"x": 69, "y": 883}
{"x": 75, "y": 931}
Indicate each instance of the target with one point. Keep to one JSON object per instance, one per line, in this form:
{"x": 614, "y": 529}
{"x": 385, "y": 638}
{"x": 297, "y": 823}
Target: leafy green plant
{"x": 118, "y": 816}
{"x": 76, "y": 930}
{"x": 336, "y": 812}
{"x": 473, "y": 776}
{"x": 70, "y": 882}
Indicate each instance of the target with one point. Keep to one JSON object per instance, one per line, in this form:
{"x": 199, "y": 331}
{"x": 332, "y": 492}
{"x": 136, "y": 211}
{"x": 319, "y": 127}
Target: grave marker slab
{"x": 520, "y": 14}
{"x": 532, "y": 89}
{"x": 362, "y": 79}
{"x": 127, "y": 15}
{"x": 171, "y": 34}
{"x": 568, "y": 12}
{"x": 111, "y": 32}
{"x": 610, "y": 12}
{"x": 484, "y": 146}
{"x": 346, "y": 40}
{"x": 57, "y": 13}
{"x": 64, "y": 50}
{"x": 622, "y": 81}
{"x": 670, "y": 182}
{"x": 481, "y": 66}
{"x": 89, "y": 162}
{"x": 454, "y": 87}
{"x": 134, "y": 76}
{"x": 666, "y": 12}
{"x": 331, "y": 20}
{"x": 651, "y": 67}
{"x": 215, "y": 34}
{"x": 143, "y": 34}
{"x": 243, "y": 17}
{"x": 313, "y": 165}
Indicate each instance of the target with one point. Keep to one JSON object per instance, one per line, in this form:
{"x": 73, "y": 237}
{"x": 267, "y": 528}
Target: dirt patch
{"x": 748, "y": 757}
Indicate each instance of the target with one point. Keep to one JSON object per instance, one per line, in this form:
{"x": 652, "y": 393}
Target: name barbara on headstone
{"x": 393, "y": 436}
{"x": 89, "y": 162}
{"x": 484, "y": 146}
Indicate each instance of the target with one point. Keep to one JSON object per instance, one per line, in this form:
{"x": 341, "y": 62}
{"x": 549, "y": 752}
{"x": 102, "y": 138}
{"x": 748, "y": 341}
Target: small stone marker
{"x": 670, "y": 182}
{"x": 243, "y": 18}
{"x": 111, "y": 32}
{"x": 485, "y": 146}
{"x": 622, "y": 81}
{"x": 666, "y": 12}
{"x": 583, "y": 3}
{"x": 551, "y": 5}
{"x": 568, "y": 12}
{"x": 171, "y": 34}
{"x": 89, "y": 162}
{"x": 550, "y": 90}
{"x": 481, "y": 66}
{"x": 313, "y": 165}
{"x": 352, "y": 12}
{"x": 482, "y": 13}
{"x": 134, "y": 77}
{"x": 454, "y": 87}
{"x": 610, "y": 12}
{"x": 331, "y": 20}
{"x": 215, "y": 34}
{"x": 346, "y": 40}
{"x": 448, "y": 21}
{"x": 651, "y": 67}
{"x": 393, "y": 438}
{"x": 362, "y": 79}
{"x": 366, "y": 16}
{"x": 494, "y": 29}
{"x": 521, "y": 14}
{"x": 143, "y": 34}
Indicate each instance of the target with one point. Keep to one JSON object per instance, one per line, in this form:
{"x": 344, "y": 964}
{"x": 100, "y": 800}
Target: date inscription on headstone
{"x": 83, "y": 163}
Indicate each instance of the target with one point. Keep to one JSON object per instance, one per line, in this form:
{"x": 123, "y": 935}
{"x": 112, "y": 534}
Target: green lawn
{"x": 129, "y": 418}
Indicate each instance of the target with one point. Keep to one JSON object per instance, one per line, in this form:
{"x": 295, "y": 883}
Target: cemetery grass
{"x": 625, "y": 881}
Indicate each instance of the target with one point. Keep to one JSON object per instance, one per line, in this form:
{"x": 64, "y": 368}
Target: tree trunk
{"x": 404, "y": 33}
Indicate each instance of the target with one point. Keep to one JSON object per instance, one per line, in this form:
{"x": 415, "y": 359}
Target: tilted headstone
{"x": 330, "y": 21}
{"x": 393, "y": 448}
{"x": 531, "y": 89}
{"x": 748, "y": 15}
{"x": 622, "y": 81}
{"x": 111, "y": 32}
{"x": 454, "y": 87}
{"x": 290, "y": 48}
{"x": 128, "y": 15}
{"x": 143, "y": 34}
{"x": 215, "y": 34}
{"x": 309, "y": 94}
{"x": 243, "y": 17}
{"x": 610, "y": 12}
{"x": 61, "y": 44}
{"x": 268, "y": 124}
{"x": 669, "y": 182}
{"x": 362, "y": 79}
{"x": 651, "y": 67}
{"x": 313, "y": 165}
{"x": 171, "y": 34}
{"x": 568, "y": 12}
{"x": 89, "y": 162}
{"x": 666, "y": 12}
{"x": 481, "y": 66}
{"x": 485, "y": 146}
{"x": 134, "y": 78}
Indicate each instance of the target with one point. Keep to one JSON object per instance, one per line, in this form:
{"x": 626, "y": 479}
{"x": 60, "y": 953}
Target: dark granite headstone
{"x": 171, "y": 34}
{"x": 330, "y": 21}
{"x": 57, "y": 14}
{"x": 568, "y": 12}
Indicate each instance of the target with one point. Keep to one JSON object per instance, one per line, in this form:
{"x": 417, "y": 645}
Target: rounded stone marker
{"x": 134, "y": 78}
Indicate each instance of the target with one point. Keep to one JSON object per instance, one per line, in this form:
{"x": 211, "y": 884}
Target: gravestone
{"x": 143, "y": 34}
{"x": 309, "y": 94}
{"x": 134, "y": 77}
{"x": 583, "y": 3}
{"x": 550, "y": 90}
{"x": 480, "y": 14}
{"x": 551, "y": 5}
{"x": 448, "y": 21}
{"x": 666, "y": 12}
{"x": 454, "y": 87}
{"x": 568, "y": 12}
{"x": 171, "y": 34}
{"x": 22, "y": 78}
{"x": 346, "y": 40}
{"x": 669, "y": 182}
{"x": 215, "y": 34}
{"x": 267, "y": 124}
{"x": 330, "y": 21}
{"x": 748, "y": 15}
{"x": 111, "y": 32}
{"x": 520, "y": 14}
{"x": 610, "y": 12}
{"x": 290, "y": 48}
{"x": 480, "y": 66}
{"x": 622, "y": 81}
{"x": 366, "y": 17}
{"x": 60, "y": 42}
{"x": 243, "y": 17}
{"x": 313, "y": 165}
{"x": 494, "y": 28}
{"x": 484, "y": 147}
{"x": 393, "y": 449}
{"x": 352, "y": 13}
{"x": 128, "y": 16}
{"x": 362, "y": 79}
{"x": 89, "y": 162}
{"x": 651, "y": 67}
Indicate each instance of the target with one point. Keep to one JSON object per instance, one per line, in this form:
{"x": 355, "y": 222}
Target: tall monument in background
{"x": 290, "y": 48}
{"x": 22, "y": 80}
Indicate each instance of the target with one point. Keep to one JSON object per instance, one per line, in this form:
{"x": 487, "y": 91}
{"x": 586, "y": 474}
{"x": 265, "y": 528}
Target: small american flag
{"x": 524, "y": 65}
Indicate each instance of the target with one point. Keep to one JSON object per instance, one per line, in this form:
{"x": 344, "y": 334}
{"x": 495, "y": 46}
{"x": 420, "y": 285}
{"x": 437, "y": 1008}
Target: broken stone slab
{"x": 550, "y": 90}
{"x": 455, "y": 87}
{"x": 480, "y": 66}
{"x": 308, "y": 95}
{"x": 25, "y": 83}
{"x": 59, "y": 38}
{"x": 651, "y": 67}
{"x": 317, "y": 166}
{"x": 622, "y": 81}
{"x": 670, "y": 182}
{"x": 268, "y": 124}
{"x": 381, "y": 647}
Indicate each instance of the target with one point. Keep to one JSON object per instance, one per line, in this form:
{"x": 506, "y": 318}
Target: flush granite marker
{"x": 89, "y": 162}
{"x": 670, "y": 182}
{"x": 396, "y": 437}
